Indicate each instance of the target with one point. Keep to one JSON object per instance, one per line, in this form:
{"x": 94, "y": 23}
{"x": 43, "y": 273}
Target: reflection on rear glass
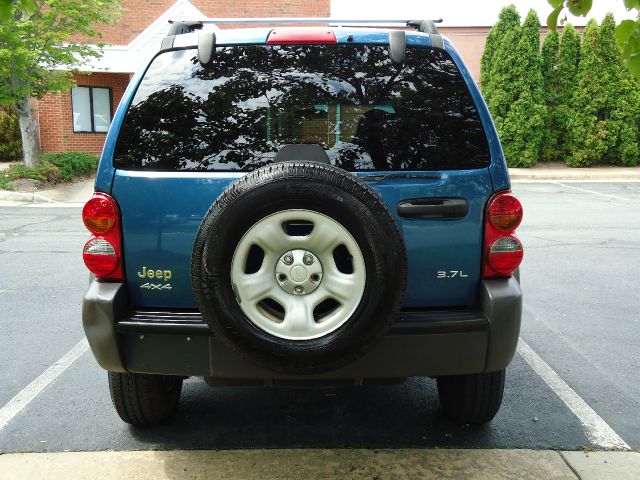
{"x": 366, "y": 113}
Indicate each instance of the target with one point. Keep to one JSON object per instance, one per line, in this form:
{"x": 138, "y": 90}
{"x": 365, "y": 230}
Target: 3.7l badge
{"x": 451, "y": 274}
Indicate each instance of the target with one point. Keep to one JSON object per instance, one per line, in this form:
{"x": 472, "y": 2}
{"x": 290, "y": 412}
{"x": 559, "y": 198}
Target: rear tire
{"x": 142, "y": 399}
{"x": 471, "y": 399}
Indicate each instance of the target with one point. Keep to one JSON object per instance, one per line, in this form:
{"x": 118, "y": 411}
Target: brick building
{"x": 78, "y": 120}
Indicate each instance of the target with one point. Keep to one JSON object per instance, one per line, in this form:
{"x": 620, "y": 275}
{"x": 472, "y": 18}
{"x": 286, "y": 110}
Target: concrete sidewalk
{"x": 311, "y": 463}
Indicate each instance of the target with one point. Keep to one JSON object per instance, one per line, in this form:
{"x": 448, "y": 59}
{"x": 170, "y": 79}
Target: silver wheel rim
{"x": 318, "y": 295}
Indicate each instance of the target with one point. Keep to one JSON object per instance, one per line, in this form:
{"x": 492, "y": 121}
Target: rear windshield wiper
{"x": 376, "y": 177}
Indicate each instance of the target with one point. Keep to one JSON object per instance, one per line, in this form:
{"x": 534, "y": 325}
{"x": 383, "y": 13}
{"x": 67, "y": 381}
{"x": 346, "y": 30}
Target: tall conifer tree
{"x": 568, "y": 60}
{"x": 551, "y": 85}
{"x": 521, "y": 128}
{"x": 623, "y": 102}
{"x": 586, "y": 134}
{"x": 604, "y": 126}
{"x": 508, "y": 20}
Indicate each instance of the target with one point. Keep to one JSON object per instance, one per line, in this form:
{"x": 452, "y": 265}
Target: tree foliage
{"x": 10, "y": 148}
{"x": 627, "y": 34}
{"x": 586, "y": 138}
{"x": 514, "y": 92}
{"x": 570, "y": 102}
{"x": 551, "y": 83}
{"x": 624, "y": 99}
{"x": 550, "y": 54}
{"x": 606, "y": 119}
{"x": 502, "y": 85}
{"x": 37, "y": 52}
{"x": 567, "y": 72}
{"x": 508, "y": 20}
{"x": 9, "y": 7}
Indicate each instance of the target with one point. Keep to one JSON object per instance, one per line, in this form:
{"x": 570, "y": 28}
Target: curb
{"x": 24, "y": 197}
{"x": 260, "y": 464}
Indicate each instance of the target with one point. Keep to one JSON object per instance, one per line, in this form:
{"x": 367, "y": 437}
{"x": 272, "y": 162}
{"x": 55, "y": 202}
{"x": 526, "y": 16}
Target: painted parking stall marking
{"x": 598, "y": 431}
{"x": 31, "y": 391}
{"x": 584, "y": 190}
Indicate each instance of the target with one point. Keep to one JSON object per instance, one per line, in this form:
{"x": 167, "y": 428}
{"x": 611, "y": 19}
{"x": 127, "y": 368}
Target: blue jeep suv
{"x": 302, "y": 205}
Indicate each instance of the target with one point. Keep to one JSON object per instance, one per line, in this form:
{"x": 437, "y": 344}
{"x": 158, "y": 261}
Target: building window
{"x": 92, "y": 109}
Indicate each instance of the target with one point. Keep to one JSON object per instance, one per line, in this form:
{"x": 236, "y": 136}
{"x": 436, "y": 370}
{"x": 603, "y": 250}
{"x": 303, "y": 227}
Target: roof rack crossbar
{"x": 429, "y": 27}
{"x": 301, "y": 20}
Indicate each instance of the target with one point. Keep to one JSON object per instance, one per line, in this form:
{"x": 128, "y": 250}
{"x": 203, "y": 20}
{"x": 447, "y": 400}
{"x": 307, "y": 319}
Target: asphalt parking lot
{"x": 575, "y": 383}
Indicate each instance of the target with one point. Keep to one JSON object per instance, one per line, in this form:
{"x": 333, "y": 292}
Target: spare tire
{"x": 299, "y": 266}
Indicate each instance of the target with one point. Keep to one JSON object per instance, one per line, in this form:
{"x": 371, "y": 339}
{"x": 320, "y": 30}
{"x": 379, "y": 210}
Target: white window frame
{"x": 91, "y": 110}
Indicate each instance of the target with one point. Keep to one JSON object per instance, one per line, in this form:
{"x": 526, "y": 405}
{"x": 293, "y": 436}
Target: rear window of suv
{"x": 365, "y": 112}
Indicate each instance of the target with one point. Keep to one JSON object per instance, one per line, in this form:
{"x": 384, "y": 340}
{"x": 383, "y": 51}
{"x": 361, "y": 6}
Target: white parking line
{"x": 31, "y": 391}
{"x": 591, "y": 191}
{"x": 598, "y": 431}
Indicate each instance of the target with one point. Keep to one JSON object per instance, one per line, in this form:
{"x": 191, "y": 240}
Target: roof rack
{"x": 267, "y": 20}
{"x": 183, "y": 26}
{"x": 417, "y": 24}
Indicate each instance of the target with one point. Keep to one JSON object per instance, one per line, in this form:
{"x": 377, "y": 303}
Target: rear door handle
{"x": 433, "y": 208}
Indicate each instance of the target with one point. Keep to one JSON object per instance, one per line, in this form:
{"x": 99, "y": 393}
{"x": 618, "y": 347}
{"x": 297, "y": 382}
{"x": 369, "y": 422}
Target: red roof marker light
{"x": 301, "y": 35}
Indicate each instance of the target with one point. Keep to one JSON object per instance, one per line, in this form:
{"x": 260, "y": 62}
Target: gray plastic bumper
{"x": 501, "y": 302}
{"x": 102, "y": 305}
{"x": 441, "y": 343}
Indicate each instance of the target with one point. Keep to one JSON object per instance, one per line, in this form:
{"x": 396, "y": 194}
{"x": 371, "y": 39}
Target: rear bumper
{"x": 425, "y": 343}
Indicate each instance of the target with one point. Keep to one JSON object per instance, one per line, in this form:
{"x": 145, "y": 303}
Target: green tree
{"x": 37, "y": 54}
{"x": 606, "y": 101}
{"x": 587, "y": 134}
{"x": 10, "y": 149}
{"x": 8, "y": 7}
{"x": 623, "y": 102}
{"x": 502, "y": 88}
{"x": 627, "y": 33}
{"x": 551, "y": 83}
{"x": 508, "y": 20}
{"x": 568, "y": 61}
{"x": 517, "y": 83}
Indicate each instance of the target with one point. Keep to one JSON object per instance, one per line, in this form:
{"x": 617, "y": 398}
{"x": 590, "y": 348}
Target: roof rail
{"x": 183, "y": 26}
{"x": 301, "y": 20}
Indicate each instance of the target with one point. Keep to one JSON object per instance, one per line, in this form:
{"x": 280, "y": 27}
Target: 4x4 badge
{"x": 156, "y": 286}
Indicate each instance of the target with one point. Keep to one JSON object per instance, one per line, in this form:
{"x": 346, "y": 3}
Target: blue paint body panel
{"x": 161, "y": 211}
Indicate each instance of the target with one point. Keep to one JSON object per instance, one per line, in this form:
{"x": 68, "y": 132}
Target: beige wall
{"x": 469, "y": 42}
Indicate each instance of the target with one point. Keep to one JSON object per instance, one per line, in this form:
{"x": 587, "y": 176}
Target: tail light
{"x": 502, "y": 250}
{"x": 102, "y": 253}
